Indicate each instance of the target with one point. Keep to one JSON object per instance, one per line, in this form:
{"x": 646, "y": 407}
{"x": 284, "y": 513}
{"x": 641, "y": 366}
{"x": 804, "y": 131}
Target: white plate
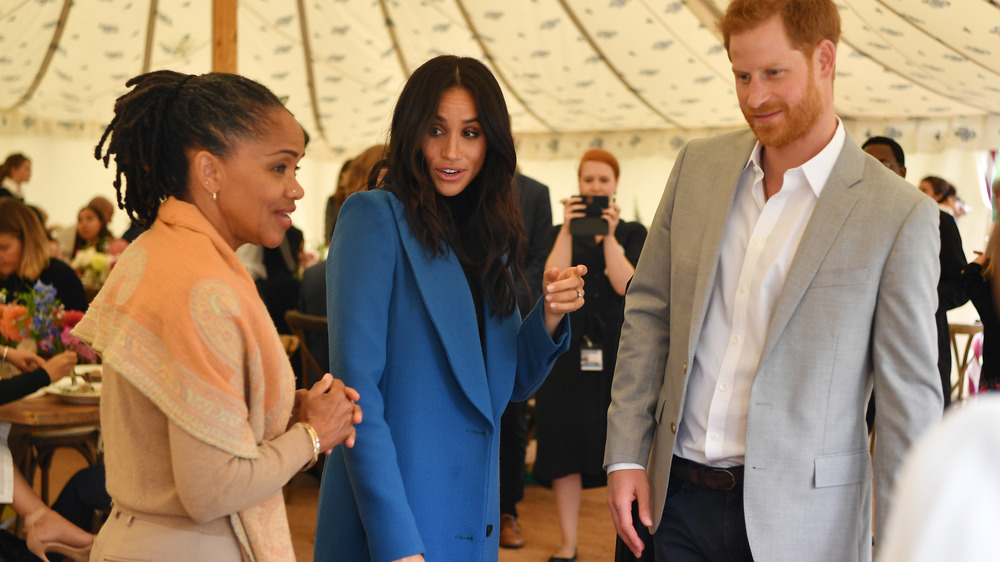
{"x": 94, "y": 370}
{"x": 65, "y": 390}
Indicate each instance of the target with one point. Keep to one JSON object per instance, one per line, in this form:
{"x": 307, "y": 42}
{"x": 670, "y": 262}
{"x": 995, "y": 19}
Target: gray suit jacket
{"x": 857, "y": 309}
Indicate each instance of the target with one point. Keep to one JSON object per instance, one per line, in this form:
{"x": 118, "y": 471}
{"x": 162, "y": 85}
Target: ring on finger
{"x": 579, "y": 293}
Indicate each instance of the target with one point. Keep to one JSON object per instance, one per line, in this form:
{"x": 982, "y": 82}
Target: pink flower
{"x": 117, "y": 246}
{"x": 84, "y": 352}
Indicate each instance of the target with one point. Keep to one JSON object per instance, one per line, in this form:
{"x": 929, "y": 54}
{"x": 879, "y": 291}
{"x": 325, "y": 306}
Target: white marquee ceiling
{"x": 644, "y": 73}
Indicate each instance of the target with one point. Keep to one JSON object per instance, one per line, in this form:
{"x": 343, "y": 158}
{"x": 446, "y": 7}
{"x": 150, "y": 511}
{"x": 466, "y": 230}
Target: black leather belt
{"x": 706, "y": 476}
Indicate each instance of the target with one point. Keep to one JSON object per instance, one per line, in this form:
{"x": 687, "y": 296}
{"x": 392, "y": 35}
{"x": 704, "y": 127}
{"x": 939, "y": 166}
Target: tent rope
{"x": 53, "y": 46}
{"x": 390, "y": 28}
{"x": 496, "y": 68}
{"x": 310, "y": 74}
{"x": 613, "y": 68}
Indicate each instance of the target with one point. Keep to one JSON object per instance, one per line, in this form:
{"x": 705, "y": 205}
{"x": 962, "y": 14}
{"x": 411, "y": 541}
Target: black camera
{"x": 592, "y": 224}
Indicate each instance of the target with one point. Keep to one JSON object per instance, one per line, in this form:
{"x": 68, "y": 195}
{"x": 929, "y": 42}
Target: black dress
{"x": 981, "y": 293}
{"x": 571, "y": 407}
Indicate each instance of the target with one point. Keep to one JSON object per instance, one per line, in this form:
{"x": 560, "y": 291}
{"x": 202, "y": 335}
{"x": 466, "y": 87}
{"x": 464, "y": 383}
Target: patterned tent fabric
{"x": 644, "y": 75}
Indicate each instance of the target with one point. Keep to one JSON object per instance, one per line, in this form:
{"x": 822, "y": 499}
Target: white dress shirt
{"x": 757, "y": 250}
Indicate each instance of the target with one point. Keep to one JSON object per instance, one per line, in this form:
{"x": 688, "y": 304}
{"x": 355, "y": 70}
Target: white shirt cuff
{"x": 624, "y": 466}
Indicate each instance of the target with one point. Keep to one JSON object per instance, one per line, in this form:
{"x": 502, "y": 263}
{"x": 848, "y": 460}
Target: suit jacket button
{"x": 673, "y": 428}
{"x": 489, "y": 530}
{"x": 685, "y": 368}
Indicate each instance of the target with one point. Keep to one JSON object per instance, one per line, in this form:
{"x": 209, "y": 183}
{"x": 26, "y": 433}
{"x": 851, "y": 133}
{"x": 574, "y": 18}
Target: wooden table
{"x": 48, "y": 412}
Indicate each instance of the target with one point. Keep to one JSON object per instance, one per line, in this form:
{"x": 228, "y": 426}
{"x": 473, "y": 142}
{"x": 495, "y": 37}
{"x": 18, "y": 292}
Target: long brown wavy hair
{"x": 492, "y": 243}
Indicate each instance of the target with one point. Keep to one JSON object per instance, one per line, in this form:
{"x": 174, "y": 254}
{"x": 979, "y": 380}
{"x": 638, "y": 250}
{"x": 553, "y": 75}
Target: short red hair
{"x": 599, "y": 155}
{"x": 807, "y": 22}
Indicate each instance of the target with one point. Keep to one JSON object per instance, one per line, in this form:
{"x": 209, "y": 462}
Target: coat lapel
{"x": 445, "y": 292}
{"x": 832, "y": 209}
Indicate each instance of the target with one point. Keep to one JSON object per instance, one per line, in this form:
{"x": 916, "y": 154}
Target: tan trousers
{"x": 127, "y": 538}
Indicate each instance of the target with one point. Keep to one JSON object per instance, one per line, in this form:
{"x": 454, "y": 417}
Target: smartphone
{"x": 592, "y": 224}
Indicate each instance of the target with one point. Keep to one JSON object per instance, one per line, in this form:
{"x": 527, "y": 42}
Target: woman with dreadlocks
{"x": 197, "y": 408}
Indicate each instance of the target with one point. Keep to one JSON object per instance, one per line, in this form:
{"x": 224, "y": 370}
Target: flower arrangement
{"x": 36, "y": 315}
{"x": 93, "y": 264}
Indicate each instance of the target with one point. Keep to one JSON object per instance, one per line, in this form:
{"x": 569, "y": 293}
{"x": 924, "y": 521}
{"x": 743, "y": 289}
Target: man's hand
{"x": 624, "y": 487}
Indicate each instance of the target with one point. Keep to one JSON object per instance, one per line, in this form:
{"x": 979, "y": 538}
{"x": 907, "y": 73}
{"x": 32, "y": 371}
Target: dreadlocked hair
{"x": 165, "y": 115}
{"x": 492, "y": 242}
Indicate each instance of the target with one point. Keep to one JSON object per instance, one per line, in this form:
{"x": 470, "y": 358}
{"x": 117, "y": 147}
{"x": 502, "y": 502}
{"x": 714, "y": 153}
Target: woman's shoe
{"x": 39, "y": 548}
{"x": 570, "y": 559}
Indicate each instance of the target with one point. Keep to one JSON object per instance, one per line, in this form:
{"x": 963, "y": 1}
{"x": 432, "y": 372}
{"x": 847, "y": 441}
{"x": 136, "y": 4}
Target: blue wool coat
{"x": 422, "y": 477}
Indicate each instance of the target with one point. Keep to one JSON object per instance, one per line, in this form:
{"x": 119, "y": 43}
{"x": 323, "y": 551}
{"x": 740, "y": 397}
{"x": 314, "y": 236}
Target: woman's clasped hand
{"x": 330, "y": 408}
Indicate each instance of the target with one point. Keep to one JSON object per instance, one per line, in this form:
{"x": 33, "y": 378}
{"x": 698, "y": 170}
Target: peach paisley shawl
{"x": 181, "y": 320}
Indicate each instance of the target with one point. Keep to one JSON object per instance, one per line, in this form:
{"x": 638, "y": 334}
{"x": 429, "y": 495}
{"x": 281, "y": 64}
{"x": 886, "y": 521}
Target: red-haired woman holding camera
{"x": 572, "y": 404}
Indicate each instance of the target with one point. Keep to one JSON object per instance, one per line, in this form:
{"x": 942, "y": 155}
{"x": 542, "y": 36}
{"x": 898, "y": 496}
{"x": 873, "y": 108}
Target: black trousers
{"x": 513, "y": 446}
{"x": 702, "y": 525}
{"x": 623, "y": 554}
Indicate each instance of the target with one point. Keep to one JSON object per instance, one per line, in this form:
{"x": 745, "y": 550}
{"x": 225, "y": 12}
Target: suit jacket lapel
{"x": 442, "y": 286}
{"x": 832, "y": 209}
{"x": 716, "y": 198}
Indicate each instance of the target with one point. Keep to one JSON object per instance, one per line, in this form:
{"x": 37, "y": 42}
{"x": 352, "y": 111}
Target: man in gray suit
{"x": 785, "y": 273}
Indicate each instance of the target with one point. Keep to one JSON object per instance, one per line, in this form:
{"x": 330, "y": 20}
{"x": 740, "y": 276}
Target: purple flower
{"x": 46, "y": 294}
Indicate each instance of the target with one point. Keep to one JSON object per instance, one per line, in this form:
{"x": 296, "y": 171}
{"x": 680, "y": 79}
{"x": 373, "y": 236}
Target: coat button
{"x": 489, "y": 530}
{"x": 673, "y": 428}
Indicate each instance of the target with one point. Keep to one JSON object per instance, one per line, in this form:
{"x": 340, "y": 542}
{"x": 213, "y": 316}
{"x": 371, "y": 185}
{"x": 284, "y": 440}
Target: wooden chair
{"x": 43, "y": 447}
{"x": 300, "y": 324}
{"x": 962, "y": 358}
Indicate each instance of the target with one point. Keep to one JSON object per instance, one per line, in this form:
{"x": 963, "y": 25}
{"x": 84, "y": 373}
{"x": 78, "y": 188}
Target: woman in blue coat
{"x": 424, "y": 324}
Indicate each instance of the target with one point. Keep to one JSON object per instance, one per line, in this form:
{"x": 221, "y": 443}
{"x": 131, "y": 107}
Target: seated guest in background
{"x": 91, "y": 230}
{"x": 979, "y": 281}
{"x": 353, "y": 178}
{"x": 424, "y": 321}
{"x": 104, "y": 207}
{"x": 46, "y": 530}
{"x": 15, "y": 171}
{"x": 68, "y": 237}
{"x": 330, "y": 214}
{"x": 209, "y": 165}
{"x": 24, "y": 257}
{"x": 950, "y": 289}
{"x": 54, "y": 250}
{"x": 275, "y": 273}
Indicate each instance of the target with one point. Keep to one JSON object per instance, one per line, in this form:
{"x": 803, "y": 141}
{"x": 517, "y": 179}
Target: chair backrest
{"x": 300, "y": 324}
{"x": 963, "y": 357}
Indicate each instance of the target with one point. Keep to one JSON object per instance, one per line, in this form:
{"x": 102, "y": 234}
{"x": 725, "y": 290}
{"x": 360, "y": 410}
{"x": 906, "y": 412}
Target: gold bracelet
{"x": 316, "y": 446}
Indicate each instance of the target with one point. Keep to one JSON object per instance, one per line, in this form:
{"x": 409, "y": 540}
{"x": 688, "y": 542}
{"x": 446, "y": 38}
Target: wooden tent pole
{"x": 224, "y": 36}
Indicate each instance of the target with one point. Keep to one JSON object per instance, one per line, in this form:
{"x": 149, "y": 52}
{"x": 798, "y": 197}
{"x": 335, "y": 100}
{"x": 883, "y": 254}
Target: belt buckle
{"x": 732, "y": 478}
